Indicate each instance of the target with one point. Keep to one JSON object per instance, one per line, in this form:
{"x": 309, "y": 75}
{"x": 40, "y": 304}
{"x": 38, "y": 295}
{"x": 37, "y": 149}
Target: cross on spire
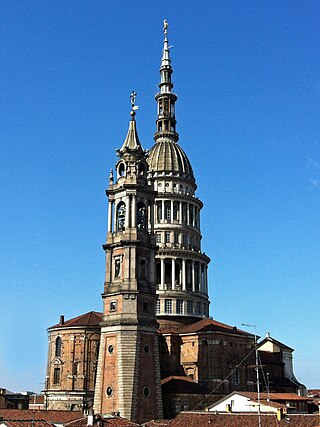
{"x": 133, "y": 98}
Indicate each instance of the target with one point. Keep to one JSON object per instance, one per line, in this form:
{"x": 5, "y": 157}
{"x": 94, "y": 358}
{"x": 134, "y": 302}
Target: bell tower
{"x": 128, "y": 377}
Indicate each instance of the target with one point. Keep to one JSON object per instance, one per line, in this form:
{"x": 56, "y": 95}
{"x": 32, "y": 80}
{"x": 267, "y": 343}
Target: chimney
{"x": 280, "y": 414}
{"x": 90, "y": 418}
{"x": 62, "y": 319}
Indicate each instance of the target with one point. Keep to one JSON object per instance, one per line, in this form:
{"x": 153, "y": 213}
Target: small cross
{"x": 133, "y": 98}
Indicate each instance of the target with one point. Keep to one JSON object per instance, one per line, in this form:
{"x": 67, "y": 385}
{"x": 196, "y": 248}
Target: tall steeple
{"x": 166, "y": 122}
{"x": 181, "y": 266}
{"x": 128, "y": 375}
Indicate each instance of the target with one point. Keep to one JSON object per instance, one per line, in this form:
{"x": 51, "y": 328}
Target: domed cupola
{"x": 168, "y": 158}
{"x": 181, "y": 266}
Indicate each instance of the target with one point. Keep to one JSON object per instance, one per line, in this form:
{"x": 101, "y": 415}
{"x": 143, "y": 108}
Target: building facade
{"x": 155, "y": 322}
{"x": 72, "y": 362}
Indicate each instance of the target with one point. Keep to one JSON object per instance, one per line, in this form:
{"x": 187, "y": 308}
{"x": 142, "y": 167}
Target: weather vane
{"x": 133, "y": 101}
{"x": 165, "y": 27}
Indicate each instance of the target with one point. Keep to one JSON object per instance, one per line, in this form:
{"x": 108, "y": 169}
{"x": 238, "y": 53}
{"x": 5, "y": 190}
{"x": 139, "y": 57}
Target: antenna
{"x": 257, "y": 369}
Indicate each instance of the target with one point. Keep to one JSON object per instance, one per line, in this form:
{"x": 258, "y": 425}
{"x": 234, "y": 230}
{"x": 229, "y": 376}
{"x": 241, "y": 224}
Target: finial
{"x": 133, "y": 106}
{"x": 111, "y": 175}
{"x": 165, "y": 27}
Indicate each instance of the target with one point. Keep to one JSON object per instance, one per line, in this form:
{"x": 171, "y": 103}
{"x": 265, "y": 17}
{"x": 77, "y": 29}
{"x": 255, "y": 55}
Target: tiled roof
{"x": 156, "y": 423}
{"x": 93, "y": 318}
{"x": 203, "y": 419}
{"x": 274, "y": 396}
{"x": 103, "y": 420}
{"x": 182, "y": 385}
{"x": 27, "y": 423}
{"x": 204, "y": 325}
{"x": 27, "y": 414}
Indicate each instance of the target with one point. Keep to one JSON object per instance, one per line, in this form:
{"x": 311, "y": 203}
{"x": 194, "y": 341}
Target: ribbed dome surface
{"x": 168, "y": 157}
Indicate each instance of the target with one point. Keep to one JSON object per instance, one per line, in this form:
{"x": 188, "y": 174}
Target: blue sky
{"x": 247, "y": 75}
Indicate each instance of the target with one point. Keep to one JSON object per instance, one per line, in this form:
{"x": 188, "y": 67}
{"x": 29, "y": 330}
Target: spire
{"x": 166, "y": 122}
{"x": 132, "y": 142}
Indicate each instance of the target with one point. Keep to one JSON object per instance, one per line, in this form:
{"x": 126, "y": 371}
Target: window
{"x": 158, "y": 306}
{"x": 58, "y": 347}
{"x": 109, "y": 391}
{"x": 146, "y": 391}
{"x": 117, "y": 267}
{"x": 121, "y": 169}
{"x": 159, "y": 211}
{"x": 175, "y": 211}
{"x": 75, "y": 368}
{"x": 113, "y": 305}
{"x": 179, "y": 306}
{"x": 167, "y": 212}
{"x": 56, "y": 376}
{"x": 158, "y": 237}
{"x": 168, "y": 306}
{"x": 185, "y": 239}
{"x": 167, "y": 236}
{"x": 142, "y": 269}
{"x": 199, "y": 307}
{"x": 190, "y": 307}
{"x": 141, "y": 217}
{"x": 145, "y": 306}
{"x": 176, "y": 238}
{"x": 235, "y": 376}
{"x": 121, "y": 215}
{"x": 146, "y": 349}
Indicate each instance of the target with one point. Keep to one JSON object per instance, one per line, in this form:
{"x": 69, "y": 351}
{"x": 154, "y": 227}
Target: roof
{"x": 26, "y": 423}
{"x": 62, "y": 417}
{"x": 166, "y": 156}
{"x": 274, "y": 341}
{"x": 92, "y": 318}
{"x": 103, "y": 420}
{"x": 182, "y": 385}
{"x": 273, "y": 396}
{"x": 156, "y": 423}
{"x": 270, "y": 358}
{"x": 205, "y": 325}
{"x": 132, "y": 142}
{"x": 203, "y": 419}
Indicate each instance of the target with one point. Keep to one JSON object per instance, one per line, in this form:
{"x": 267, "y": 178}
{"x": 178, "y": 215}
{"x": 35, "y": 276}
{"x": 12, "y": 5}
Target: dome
{"x": 169, "y": 158}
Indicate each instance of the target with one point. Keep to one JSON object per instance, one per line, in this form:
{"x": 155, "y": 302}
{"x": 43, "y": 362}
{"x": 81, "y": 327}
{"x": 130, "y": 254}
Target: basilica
{"x": 154, "y": 350}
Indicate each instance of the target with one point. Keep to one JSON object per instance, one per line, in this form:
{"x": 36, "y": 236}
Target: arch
{"x": 58, "y": 347}
{"x": 121, "y": 215}
{"x": 121, "y": 169}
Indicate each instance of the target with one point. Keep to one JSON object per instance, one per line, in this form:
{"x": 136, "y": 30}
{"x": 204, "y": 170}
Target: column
{"x": 110, "y": 216}
{"x": 199, "y": 277}
{"x": 171, "y": 211}
{"x": 180, "y": 212}
{"x": 194, "y": 215}
{"x": 127, "y": 212}
{"x": 134, "y": 212}
{"x": 184, "y": 283}
{"x": 162, "y": 273}
{"x": 205, "y": 277}
{"x": 193, "y": 278}
{"x": 152, "y": 205}
{"x": 173, "y": 272}
{"x": 188, "y": 214}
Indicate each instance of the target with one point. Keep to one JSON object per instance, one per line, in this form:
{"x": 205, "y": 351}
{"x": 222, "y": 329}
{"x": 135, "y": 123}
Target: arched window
{"x": 141, "y": 217}
{"x": 121, "y": 169}
{"x": 121, "y": 216}
{"x": 58, "y": 347}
